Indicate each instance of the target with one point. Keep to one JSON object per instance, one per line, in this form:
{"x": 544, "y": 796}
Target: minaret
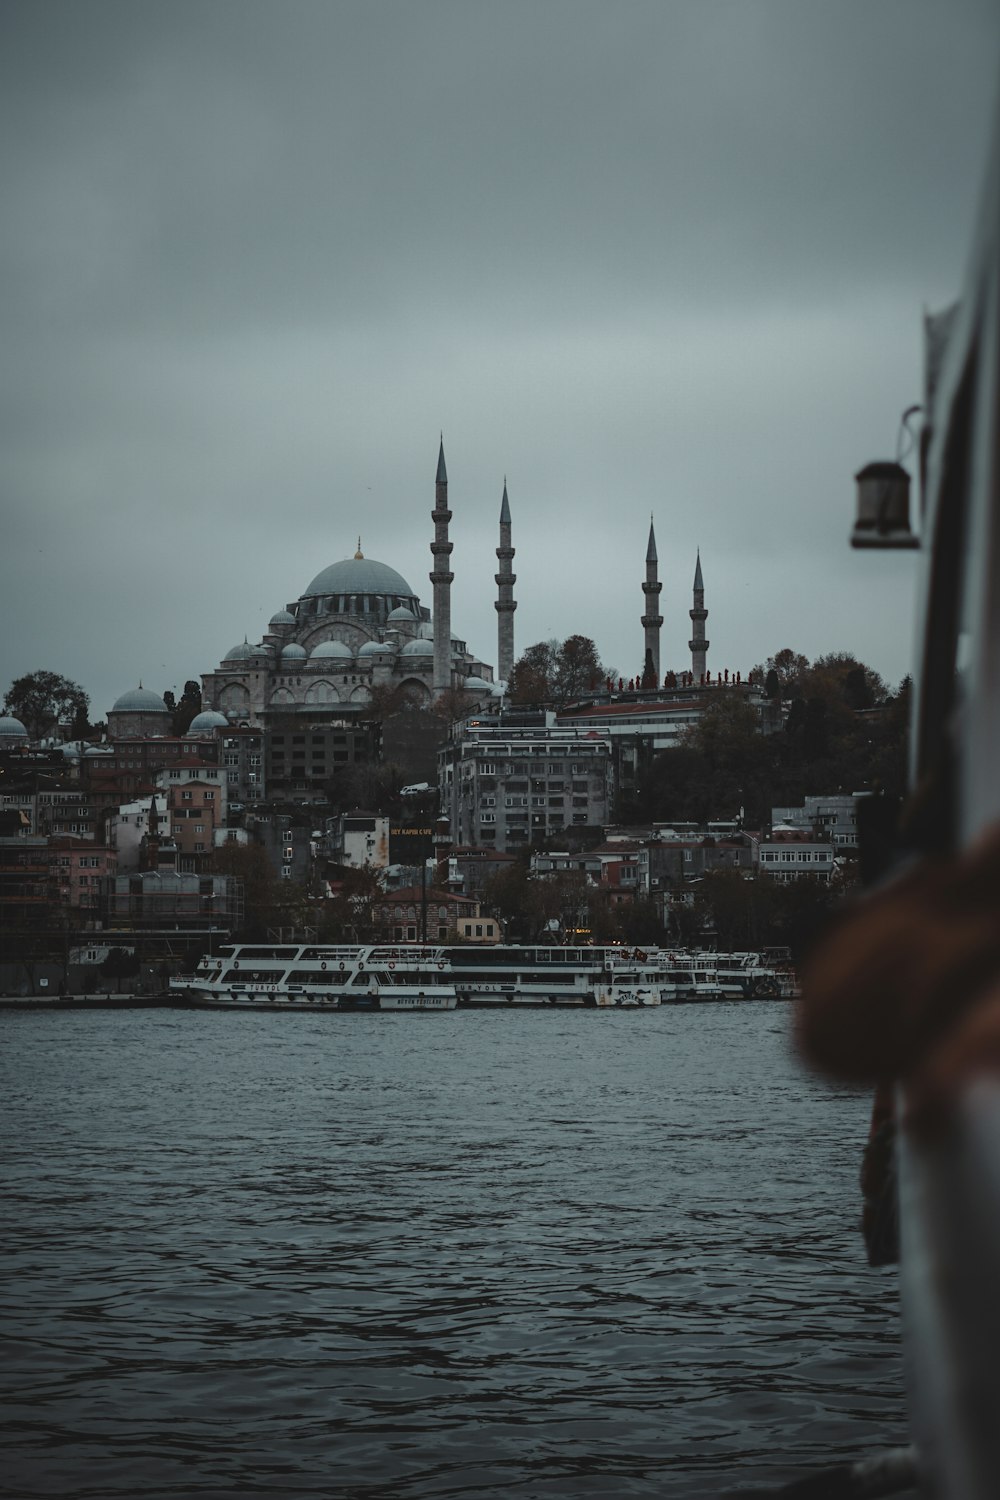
{"x": 699, "y": 614}
{"x": 441, "y": 578}
{"x": 651, "y": 621}
{"x": 505, "y": 605}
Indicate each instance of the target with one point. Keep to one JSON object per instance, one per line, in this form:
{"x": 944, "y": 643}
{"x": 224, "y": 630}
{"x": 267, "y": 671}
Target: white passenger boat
{"x": 547, "y": 975}
{"x": 264, "y": 976}
{"x": 605, "y": 976}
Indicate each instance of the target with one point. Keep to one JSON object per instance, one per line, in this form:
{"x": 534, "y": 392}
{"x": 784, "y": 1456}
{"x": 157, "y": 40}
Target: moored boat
{"x": 359, "y": 977}
{"x": 321, "y": 977}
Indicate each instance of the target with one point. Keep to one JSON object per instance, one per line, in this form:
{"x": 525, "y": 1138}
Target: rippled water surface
{"x": 539, "y": 1254}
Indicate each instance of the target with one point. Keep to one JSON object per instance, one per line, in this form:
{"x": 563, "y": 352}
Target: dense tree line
{"x": 843, "y": 731}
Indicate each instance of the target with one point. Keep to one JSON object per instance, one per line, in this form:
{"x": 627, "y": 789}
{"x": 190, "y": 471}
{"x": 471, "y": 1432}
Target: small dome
{"x": 331, "y": 648}
{"x": 377, "y": 648}
{"x": 476, "y": 685}
{"x": 293, "y": 652}
{"x": 419, "y": 647}
{"x": 426, "y": 630}
{"x": 402, "y": 616}
{"x": 282, "y": 617}
{"x": 498, "y": 689}
{"x": 99, "y": 750}
{"x": 11, "y": 728}
{"x": 242, "y": 652}
{"x": 206, "y": 720}
{"x": 140, "y": 700}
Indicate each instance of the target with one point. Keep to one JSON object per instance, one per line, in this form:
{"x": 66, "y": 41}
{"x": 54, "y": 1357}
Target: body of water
{"x": 468, "y": 1255}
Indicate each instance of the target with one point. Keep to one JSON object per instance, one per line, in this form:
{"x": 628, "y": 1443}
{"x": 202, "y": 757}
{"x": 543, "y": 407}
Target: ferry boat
{"x": 548, "y": 975}
{"x": 284, "y": 976}
{"x": 354, "y": 977}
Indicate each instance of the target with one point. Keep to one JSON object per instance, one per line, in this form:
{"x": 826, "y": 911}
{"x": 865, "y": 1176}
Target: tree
{"x": 578, "y": 667}
{"x": 787, "y": 667}
{"x": 533, "y": 674}
{"x": 44, "y": 700}
{"x": 839, "y": 675}
{"x": 249, "y": 864}
{"x": 186, "y": 709}
{"x": 453, "y": 704}
{"x": 387, "y": 699}
{"x": 549, "y": 671}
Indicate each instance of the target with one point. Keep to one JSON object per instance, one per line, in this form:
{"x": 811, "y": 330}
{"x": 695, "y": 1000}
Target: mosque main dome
{"x": 140, "y": 700}
{"x": 360, "y": 575}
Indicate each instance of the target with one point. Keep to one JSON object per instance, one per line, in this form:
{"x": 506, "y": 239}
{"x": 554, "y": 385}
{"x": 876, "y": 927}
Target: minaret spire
{"x": 441, "y": 577}
{"x": 651, "y": 618}
{"x": 505, "y": 604}
{"x": 698, "y": 645}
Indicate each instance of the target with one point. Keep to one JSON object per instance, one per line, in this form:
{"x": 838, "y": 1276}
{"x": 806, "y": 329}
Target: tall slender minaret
{"x": 651, "y": 619}
{"x": 505, "y": 605}
{"x": 699, "y": 614}
{"x": 441, "y": 578}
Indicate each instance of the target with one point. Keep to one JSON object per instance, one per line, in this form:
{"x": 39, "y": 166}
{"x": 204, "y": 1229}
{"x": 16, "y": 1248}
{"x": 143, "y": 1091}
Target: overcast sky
{"x": 666, "y": 257}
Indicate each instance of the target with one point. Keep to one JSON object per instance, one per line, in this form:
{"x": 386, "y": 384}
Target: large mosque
{"x": 360, "y": 626}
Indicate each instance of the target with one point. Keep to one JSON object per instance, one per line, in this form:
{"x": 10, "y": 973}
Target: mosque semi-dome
{"x": 402, "y": 616}
{"x": 282, "y": 617}
{"x": 293, "y": 652}
{"x": 140, "y": 700}
{"x": 378, "y": 648}
{"x": 339, "y": 649}
{"x": 419, "y": 647}
{"x": 243, "y": 652}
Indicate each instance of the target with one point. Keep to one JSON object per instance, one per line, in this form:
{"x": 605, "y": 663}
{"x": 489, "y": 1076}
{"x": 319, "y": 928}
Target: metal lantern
{"x": 883, "y": 518}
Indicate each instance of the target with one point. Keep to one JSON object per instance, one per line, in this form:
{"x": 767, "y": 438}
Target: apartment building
{"x": 508, "y": 783}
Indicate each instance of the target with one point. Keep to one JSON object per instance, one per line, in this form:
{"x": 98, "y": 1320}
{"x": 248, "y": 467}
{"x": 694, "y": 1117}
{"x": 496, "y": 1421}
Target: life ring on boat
{"x": 441, "y": 964}
{"x": 236, "y": 964}
{"x": 322, "y": 965}
{"x": 391, "y": 964}
{"x": 343, "y": 966}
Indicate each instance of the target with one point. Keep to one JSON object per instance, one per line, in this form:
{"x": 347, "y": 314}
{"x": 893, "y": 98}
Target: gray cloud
{"x": 644, "y": 257}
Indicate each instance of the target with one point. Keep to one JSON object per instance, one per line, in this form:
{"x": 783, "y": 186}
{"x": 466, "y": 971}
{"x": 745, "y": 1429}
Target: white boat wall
{"x": 950, "y": 1185}
{"x": 906, "y": 987}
